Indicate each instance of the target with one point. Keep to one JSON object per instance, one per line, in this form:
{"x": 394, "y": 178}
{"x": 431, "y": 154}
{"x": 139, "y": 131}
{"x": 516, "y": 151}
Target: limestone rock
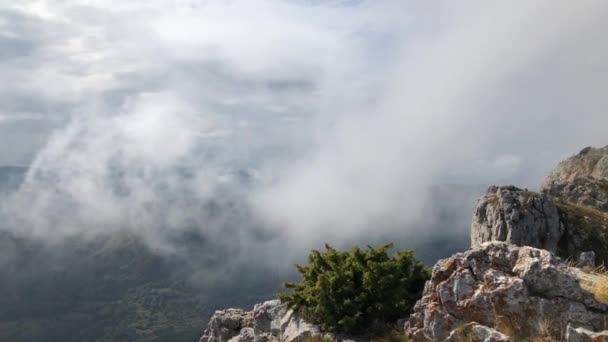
{"x": 270, "y": 321}
{"x": 517, "y": 291}
{"x": 245, "y": 335}
{"x": 590, "y": 162}
{"x": 586, "y": 259}
{"x": 266, "y": 319}
{"x": 587, "y": 191}
{"x": 517, "y": 216}
{"x": 531, "y": 219}
{"x": 226, "y": 325}
{"x": 581, "y": 179}
{"x": 584, "y": 335}
{"x": 474, "y": 332}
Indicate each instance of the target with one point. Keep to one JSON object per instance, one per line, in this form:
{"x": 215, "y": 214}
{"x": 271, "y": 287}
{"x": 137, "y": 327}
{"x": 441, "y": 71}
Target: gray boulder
{"x": 584, "y": 335}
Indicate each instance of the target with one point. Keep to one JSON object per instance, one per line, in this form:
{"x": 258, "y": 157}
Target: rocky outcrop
{"x": 505, "y": 290}
{"x": 560, "y": 224}
{"x": 585, "y": 191}
{"x": 517, "y": 216}
{"x": 226, "y": 325}
{"x": 569, "y": 217}
{"x": 270, "y": 321}
{"x": 589, "y": 162}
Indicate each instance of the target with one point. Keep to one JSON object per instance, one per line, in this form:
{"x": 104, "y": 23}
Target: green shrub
{"x": 350, "y": 291}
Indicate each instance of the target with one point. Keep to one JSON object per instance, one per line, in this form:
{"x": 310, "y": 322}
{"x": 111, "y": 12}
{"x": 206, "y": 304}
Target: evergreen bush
{"x": 350, "y": 291}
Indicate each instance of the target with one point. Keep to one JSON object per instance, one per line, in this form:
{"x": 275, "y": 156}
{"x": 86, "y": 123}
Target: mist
{"x": 271, "y": 127}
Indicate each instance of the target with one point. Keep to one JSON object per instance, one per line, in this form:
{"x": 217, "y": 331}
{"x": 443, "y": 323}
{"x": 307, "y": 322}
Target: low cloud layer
{"x": 287, "y": 122}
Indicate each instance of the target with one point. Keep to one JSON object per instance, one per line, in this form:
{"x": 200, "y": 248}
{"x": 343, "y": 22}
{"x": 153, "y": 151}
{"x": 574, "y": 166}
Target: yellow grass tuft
{"x": 600, "y": 290}
{"x": 596, "y": 282}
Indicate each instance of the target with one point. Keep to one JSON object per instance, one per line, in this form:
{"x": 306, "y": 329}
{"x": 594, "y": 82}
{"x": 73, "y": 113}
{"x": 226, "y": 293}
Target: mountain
{"x": 114, "y": 287}
{"x": 109, "y": 289}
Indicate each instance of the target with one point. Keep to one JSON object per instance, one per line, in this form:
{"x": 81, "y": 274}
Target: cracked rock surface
{"x": 505, "y": 290}
{"x": 270, "y": 321}
{"x": 517, "y": 216}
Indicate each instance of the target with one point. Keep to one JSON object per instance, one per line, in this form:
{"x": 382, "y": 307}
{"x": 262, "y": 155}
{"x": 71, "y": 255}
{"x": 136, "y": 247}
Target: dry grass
{"x": 600, "y": 290}
{"x": 583, "y": 211}
{"x": 543, "y": 331}
{"x": 591, "y": 226}
{"x": 595, "y": 281}
{"x": 318, "y": 338}
{"x": 493, "y": 199}
{"x": 463, "y": 332}
{"x": 604, "y": 185}
{"x": 601, "y": 269}
{"x": 570, "y": 262}
{"x": 505, "y": 326}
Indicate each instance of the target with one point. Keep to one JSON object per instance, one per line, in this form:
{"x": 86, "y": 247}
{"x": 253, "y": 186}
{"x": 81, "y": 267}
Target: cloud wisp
{"x": 288, "y": 123}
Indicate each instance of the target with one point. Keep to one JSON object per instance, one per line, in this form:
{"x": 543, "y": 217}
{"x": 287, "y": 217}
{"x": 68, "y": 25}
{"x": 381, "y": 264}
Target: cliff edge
{"x": 569, "y": 216}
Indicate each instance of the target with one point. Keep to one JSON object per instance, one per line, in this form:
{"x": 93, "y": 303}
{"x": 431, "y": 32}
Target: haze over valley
{"x": 163, "y": 159}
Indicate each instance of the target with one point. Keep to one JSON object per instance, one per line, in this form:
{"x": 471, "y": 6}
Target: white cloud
{"x": 327, "y": 120}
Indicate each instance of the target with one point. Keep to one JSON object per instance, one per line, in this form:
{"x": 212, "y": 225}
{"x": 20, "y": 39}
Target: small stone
{"x": 586, "y": 259}
{"x": 584, "y": 335}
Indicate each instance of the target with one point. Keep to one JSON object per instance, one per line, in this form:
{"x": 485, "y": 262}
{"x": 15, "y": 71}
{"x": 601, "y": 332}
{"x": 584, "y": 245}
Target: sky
{"x": 310, "y": 120}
